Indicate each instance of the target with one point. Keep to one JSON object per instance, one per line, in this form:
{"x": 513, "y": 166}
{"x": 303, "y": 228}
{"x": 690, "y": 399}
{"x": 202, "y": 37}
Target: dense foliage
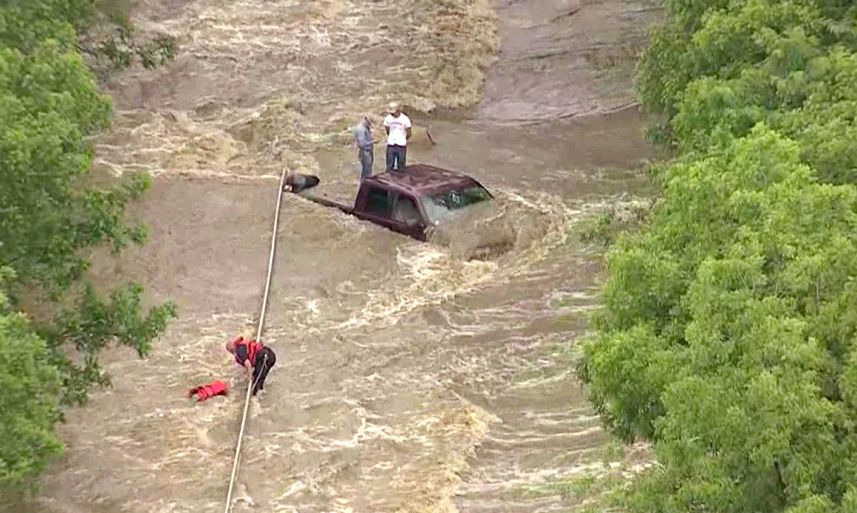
{"x": 717, "y": 68}
{"x": 29, "y": 402}
{"x": 52, "y": 324}
{"x": 729, "y": 334}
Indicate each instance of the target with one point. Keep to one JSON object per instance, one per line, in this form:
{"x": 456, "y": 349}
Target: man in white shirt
{"x": 398, "y": 128}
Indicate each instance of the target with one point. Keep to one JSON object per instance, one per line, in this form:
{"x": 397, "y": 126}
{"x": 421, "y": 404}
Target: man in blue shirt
{"x": 365, "y": 145}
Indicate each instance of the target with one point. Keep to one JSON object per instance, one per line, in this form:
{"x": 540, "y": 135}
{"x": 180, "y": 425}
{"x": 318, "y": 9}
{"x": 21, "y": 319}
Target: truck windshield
{"x": 443, "y": 205}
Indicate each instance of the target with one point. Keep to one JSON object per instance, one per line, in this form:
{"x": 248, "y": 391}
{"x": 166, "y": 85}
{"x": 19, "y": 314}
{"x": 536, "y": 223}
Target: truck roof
{"x": 423, "y": 180}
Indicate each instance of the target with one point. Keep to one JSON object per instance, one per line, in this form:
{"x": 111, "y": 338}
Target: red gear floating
{"x": 208, "y": 391}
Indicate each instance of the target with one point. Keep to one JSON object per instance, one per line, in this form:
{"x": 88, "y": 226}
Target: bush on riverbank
{"x": 52, "y": 324}
{"x": 715, "y": 73}
{"x": 729, "y": 338}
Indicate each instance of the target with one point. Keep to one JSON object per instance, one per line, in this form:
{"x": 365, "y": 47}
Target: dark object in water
{"x": 297, "y": 183}
{"x": 411, "y": 201}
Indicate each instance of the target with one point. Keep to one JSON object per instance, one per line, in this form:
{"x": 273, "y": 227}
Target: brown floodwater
{"x": 409, "y": 377}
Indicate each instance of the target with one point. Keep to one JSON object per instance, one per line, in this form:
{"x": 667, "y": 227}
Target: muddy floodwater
{"x": 409, "y": 377}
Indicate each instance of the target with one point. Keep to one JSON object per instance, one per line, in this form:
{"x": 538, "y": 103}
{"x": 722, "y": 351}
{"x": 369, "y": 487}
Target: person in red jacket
{"x": 255, "y": 358}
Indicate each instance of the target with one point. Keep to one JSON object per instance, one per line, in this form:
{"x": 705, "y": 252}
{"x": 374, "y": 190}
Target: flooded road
{"x": 409, "y": 378}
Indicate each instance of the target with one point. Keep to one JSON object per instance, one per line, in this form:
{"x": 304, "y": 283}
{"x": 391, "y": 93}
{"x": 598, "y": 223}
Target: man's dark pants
{"x": 396, "y": 157}
{"x": 265, "y": 359}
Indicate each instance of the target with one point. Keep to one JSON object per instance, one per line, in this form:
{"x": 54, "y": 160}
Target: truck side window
{"x": 379, "y": 202}
{"x": 406, "y": 210}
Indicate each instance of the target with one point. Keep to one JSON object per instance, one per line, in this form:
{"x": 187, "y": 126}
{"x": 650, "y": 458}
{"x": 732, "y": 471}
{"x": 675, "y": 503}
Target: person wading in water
{"x": 255, "y": 358}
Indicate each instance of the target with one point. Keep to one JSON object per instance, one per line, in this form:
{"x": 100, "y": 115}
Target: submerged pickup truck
{"x": 411, "y": 201}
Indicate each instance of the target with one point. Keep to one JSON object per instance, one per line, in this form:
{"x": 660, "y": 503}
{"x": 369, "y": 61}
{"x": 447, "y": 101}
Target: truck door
{"x": 378, "y": 207}
{"x": 407, "y": 218}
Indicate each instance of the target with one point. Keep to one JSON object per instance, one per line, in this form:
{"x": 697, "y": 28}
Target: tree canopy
{"x": 728, "y": 338}
{"x": 52, "y": 323}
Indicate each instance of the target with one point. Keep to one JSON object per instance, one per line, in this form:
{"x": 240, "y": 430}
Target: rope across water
{"x": 237, "y": 462}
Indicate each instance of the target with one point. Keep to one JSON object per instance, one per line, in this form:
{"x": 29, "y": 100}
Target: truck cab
{"x": 416, "y": 199}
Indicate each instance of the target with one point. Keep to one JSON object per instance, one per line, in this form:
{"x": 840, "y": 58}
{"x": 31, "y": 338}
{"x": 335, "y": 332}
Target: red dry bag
{"x": 208, "y": 391}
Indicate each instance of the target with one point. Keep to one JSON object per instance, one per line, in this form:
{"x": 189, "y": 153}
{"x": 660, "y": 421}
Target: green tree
{"x": 115, "y": 45}
{"x": 726, "y": 339}
{"x": 714, "y": 70}
{"x": 728, "y": 336}
{"x": 48, "y": 105}
{"x": 29, "y": 402}
{"x": 53, "y": 324}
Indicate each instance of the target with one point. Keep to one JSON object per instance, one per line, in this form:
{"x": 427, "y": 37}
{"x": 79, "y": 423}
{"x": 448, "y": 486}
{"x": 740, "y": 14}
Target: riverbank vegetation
{"x": 52, "y": 322}
{"x": 728, "y": 339}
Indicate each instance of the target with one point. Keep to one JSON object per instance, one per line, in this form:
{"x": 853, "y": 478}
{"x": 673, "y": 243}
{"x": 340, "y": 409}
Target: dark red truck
{"x": 409, "y": 201}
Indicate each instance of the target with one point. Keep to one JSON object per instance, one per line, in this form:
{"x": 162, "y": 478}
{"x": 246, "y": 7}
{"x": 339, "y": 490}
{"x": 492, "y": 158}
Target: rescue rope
{"x": 251, "y": 382}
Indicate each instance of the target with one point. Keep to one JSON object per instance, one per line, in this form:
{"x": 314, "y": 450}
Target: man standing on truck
{"x": 365, "y": 147}
{"x": 398, "y": 127}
